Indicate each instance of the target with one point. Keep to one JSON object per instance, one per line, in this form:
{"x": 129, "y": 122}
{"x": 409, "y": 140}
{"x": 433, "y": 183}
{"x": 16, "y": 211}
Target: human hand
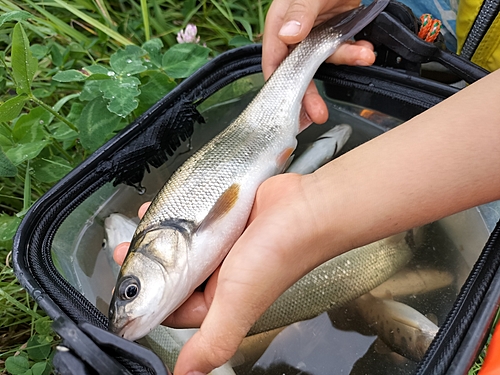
{"x": 267, "y": 259}
{"x": 287, "y": 23}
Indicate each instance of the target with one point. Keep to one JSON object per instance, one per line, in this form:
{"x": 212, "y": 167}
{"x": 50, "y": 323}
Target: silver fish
{"x": 118, "y": 228}
{"x": 342, "y": 279}
{"x": 409, "y": 282}
{"x": 202, "y": 210}
{"x": 164, "y": 341}
{"x": 322, "y": 150}
{"x": 337, "y": 282}
{"x": 401, "y": 327}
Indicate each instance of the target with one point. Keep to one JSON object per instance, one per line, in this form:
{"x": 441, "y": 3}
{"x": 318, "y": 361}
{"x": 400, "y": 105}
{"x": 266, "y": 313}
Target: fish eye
{"x": 129, "y": 288}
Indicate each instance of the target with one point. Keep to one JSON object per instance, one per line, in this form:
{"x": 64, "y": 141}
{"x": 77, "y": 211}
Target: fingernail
{"x": 290, "y": 28}
{"x": 195, "y": 373}
{"x": 361, "y": 63}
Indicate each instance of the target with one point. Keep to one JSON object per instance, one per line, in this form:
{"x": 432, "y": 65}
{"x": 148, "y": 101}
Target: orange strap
{"x": 430, "y": 28}
{"x": 491, "y": 364}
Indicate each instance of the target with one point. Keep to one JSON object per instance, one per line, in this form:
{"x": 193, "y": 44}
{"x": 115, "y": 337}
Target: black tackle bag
{"x": 57, "y": 249}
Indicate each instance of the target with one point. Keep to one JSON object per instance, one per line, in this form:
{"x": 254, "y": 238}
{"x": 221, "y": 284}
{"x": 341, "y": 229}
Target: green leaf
{"x": 75, "y": 112}
{"x": 153, "y": 48}
{"x": 128, "y": 61}
{"x": 30, "y": 127}
{"x": 37, "y": 348}
{"x": 63, "y": 132}
{"x": 157, "y": 87}
{"x": 51, "y": 170}
{"x": 5, "y": 141}
{"x": 182, "y": 60}
{"x": 99, "y": 69}
{"x": 12, "y": 108}
{"x": 41, "y": 368}
{"x": 56, "y": 52}
{"x": 16, "y": 15}
{"x": 95, "y": 123}
{"x": 39, "y": 51}
{"x": 24, "y": 65}
{"x": 23, "y": 152}
{"x": 7, "y": 168}
{"x": 91, "y": 90}
{"x": 8, "y": 228}
{"x": 121, "y": 93}
{"x": 239, "y": 40}
{"x": 71, "y": 75}
{"x": 43, "y": 92}
{"x": 17, "y": 365}
{"x": 43, "y": 326}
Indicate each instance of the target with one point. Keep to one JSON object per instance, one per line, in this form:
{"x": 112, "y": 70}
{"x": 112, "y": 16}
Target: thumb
{"x": 298, "y": 20}
{"x": 215, "y": 343}
{"x": 248, "y": 283}
{"x": 238, "y": 302}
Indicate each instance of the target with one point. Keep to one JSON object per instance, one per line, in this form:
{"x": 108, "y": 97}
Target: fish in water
{"x": 201, "y": 211}
{"x": 118, "y": 228}
{"x": 332, "y": 284}
{"x": 322, "y": 150}
{"x": 401, "y": 327}
{"x": 337, "y": 282}
{"x": 409, "y": 282}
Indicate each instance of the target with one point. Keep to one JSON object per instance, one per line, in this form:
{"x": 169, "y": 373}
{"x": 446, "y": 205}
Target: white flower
{"x": 188, "y": 35}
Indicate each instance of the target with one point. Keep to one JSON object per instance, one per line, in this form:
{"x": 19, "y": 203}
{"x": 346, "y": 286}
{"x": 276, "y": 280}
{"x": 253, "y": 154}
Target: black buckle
{"x": 87, "y": 349}
{"x": 394, "y": 35}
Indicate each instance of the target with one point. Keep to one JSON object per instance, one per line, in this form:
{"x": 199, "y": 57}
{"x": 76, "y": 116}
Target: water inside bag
{"x": 323, "y": 345}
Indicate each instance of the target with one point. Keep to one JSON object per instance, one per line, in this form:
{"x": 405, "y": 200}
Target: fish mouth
{"x": 120, "y": 329}
{"x": 133, "y": 329}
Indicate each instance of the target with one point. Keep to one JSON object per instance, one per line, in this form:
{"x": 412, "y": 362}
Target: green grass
{"x": 45, "y": 122}
{"x": 44, "y": 47}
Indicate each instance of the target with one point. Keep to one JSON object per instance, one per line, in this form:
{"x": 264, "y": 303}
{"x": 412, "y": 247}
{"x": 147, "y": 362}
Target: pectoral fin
{"x": 223, "y": 205}
{"x": 285, "y": 159}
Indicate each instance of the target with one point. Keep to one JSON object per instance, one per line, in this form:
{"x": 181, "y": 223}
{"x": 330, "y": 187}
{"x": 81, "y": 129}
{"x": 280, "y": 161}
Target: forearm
{"x": 441, "y": 162}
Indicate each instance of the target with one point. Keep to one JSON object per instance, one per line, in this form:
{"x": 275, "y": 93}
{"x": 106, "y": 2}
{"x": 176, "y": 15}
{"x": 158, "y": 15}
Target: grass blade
{"x": 59, "y": 25}
{"x": 145, "y": 19}
{"x": 98, "y": 25}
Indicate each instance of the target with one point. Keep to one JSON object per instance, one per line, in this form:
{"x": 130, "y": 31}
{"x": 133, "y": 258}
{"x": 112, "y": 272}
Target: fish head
{"x": 151, "y": 284}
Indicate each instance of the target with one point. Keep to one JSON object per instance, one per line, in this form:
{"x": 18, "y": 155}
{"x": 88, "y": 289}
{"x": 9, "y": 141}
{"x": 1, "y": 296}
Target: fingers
{"x": 359, "y": 53}
{"x": 286, "y": 23}
{"x": 262, "y": 264}
{"x": 314, "y": 107}
{"x": 143, "y": 209}
{"x": 192, "y": 312}
{"x": 121, "y": 252}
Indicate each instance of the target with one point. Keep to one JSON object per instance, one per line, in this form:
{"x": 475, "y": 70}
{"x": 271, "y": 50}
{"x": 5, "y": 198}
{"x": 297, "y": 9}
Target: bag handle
{"x": 391, "y": 29}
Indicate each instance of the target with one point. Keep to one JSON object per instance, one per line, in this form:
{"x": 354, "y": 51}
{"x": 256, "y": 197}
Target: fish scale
{"x": 336, "y": 282}
{"x": 205, "y": 176}
{"x": 202, "y": 210}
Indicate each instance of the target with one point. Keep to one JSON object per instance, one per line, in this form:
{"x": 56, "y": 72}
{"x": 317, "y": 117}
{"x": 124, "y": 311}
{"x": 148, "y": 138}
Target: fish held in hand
{"x": 202, "y": 210}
